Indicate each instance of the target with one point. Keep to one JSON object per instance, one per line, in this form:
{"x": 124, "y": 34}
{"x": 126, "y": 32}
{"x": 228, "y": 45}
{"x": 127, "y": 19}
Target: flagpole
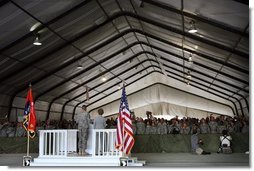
{"x": 124, "y": 154}
{"x": 28, "y": 138}
{"x": 28, "y": 142}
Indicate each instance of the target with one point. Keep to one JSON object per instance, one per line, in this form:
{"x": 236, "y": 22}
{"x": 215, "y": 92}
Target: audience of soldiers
{"x": 186, "y": 125}
{"x": 149, "y": 125}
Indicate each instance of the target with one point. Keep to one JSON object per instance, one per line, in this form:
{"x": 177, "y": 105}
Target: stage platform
{"x": 214, "y": 160}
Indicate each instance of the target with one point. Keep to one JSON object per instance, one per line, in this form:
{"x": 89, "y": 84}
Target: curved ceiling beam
{"x": 198, "y": 17}
{"x": 199, "y": 87}
{"x": 90, "y": 89}
{"x": 3, "y": 2}
{"x": 109, "y": 20}
{"x": 23, "y": 88}
{"x": 52, "y": 21}
{"x": 94, "y": 77}
{"x": 124, "y": 49}
{"x": 63, "y": 108}
{"x": 93, "y": 50}
{"x": 88, "y": 68}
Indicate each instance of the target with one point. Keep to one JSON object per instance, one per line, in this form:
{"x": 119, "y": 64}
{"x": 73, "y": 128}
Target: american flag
{"x": 124, "y": 137}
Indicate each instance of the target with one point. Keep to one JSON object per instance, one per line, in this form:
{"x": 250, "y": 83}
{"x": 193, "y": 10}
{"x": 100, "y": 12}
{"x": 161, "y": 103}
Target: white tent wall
{"x": 160, "y": 93}
{"x": 171, "y": 110}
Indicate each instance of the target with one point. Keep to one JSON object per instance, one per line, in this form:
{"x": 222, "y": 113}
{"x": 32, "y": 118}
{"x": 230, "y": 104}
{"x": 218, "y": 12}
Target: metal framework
{"x": 135, "y": 31}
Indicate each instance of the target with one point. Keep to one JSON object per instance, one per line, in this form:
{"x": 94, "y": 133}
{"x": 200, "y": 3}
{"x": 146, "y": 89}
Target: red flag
{"x": 124, "y": 137}
{"x": 29, "y": 122}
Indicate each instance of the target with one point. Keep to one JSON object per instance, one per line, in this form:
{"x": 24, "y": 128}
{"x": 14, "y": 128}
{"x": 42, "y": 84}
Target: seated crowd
{"x": 150, "y": 125}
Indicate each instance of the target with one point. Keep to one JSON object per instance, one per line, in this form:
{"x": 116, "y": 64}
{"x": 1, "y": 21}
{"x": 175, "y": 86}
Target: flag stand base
{"x": 27, "y": 160}
{"x": 131, "y": 161}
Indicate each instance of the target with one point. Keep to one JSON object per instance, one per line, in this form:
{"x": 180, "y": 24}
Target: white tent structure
{"x": 148, "y": 44}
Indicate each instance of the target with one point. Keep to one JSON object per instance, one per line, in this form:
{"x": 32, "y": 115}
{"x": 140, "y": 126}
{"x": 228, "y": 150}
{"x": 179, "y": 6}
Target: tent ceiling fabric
{"x": 122, "y": 40}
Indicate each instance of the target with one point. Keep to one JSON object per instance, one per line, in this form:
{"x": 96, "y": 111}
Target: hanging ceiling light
{"x": 192, "y": 28}
{"x": 79, "y": 67}
{"x": 103, "y": 78}
{"x": 188, "y": 83}
{"x": 37, "y": 41}
{"x": 119, "y": 87}
{"x": 188, "y": 75}
{"x": 190, "y": 58}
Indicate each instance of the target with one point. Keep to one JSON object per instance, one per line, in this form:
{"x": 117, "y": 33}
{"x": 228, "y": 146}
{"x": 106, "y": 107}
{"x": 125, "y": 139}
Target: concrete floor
{"x": 240, "y": 160}
{"x": 193, "y": 160}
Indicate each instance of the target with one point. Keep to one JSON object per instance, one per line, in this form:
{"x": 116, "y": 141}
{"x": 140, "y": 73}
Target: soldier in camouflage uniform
{"x": 162, "y": 127}
{"x": 10, "y": 131}
{"x": 134, "y": 127}
{"x": 153, "y": 129}
{"x": 20, "y": 131}
{"x": 184, "y": 129}
{"x": 231, "y": 127}
{"x": 204, "y": 127}
{"x": 83, "y": 120}
{"x": 213, "y": 125}
{"x": 148, "y": 128}
{"x": 175, "y": 127}
{"x": 195, "y": 127}
{"x": 221, "y": 127}
{"x": 140, "y": 127}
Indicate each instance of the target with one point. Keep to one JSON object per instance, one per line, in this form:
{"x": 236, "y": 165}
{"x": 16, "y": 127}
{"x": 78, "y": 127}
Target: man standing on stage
{"x": 83, "y": 120}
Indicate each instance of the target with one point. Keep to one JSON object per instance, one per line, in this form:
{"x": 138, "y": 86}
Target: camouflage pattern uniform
{"x": 83, "y": 120}
{"x": 162, "y": 128}
{"x": 221, "y": 127}
{"x": 185, "y": 130}
{"x": 20, "y": 131}
{"x": 213, "y": 127}
{"x": 134, "y": 127}
{"x": 141, "y": 127}
{"x": 204, "y": 128}
{"x": 148, "y": 129}
{"x": 153, "y": 129}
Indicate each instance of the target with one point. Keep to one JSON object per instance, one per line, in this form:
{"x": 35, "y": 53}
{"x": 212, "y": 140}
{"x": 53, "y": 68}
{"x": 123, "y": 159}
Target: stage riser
{"x": 77, "y": 161}
{"x": 75, "y": 164}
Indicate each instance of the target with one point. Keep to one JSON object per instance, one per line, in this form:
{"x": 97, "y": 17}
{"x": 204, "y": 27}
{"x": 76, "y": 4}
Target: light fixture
{"x": 188, "y": 75}
{"x": 37, "y": 41}
{"x": 141, "y": 5}
{"x": 79, "y": 67}
{"x": 188, "y": 83}
{"x": 190, "y": 58}
{"x": 192, "y": 28}
{"x": 119, "y": 87}
{"x": 103, "y": 79}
